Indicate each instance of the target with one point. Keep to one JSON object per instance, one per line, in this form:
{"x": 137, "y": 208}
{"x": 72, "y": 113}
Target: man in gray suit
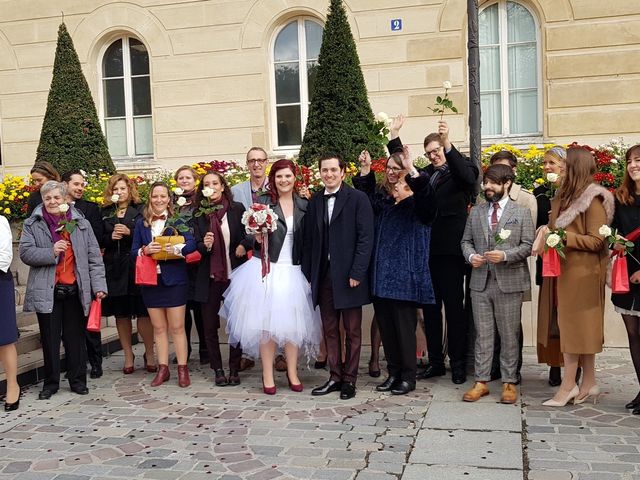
{"x": 497, "y": 241}
{"x": 248, "y": 192}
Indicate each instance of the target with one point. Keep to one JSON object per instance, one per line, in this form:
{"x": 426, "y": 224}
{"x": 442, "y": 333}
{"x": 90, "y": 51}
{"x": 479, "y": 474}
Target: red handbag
{"x": 95, "y": 315}
{"x": 193, "y": 257}
{"x": 551, "y": 263}
{"x": 619, "y": 275}
{"x": 146, "y": 271}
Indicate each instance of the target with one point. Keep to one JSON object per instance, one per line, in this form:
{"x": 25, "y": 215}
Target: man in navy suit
{"x": 337, "y": 250}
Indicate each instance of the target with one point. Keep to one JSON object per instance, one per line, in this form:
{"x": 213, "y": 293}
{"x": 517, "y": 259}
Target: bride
{"x": 277, "y": 311}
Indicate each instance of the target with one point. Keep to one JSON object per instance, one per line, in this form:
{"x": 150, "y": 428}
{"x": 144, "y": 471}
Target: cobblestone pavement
{"x": 126, "y": 429}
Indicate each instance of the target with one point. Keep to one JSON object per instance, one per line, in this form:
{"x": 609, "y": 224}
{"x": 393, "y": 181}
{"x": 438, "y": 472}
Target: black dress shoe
{"x": 45, "y": 394}
{"x": 80, "y": 390}
{"x": 330, "y": 386}
{"x": 96, "y": 371}
{"x": 403, "y": 387}
{"x": 234, "y": 378}
{"x": 636, "y": 411}
{"x": 633, "y": 404}
{"x": 387, "y": 385}
{"x": 458, "y": 376}
{"x": 431, "y": 371}
{"x": 220, "y": 378}
{"x": 347, "y": 391}
{"x": 555, "y": 376}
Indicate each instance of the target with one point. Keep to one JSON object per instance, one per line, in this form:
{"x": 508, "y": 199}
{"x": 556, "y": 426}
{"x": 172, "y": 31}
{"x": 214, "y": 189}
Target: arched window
{"x": 295, "y": 59}
{"x": 126, "y": 99}
{"x": 509, "y": 71}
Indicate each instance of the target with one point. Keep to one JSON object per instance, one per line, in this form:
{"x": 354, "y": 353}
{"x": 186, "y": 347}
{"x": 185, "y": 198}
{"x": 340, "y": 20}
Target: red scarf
{"x": 218, "y": 267}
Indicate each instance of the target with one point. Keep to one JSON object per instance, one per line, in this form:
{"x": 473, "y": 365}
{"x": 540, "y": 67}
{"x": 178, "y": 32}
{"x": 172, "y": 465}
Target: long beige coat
{"x": 580, "y": 286}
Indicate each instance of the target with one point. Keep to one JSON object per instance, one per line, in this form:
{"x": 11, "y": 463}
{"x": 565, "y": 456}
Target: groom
{"x": 337, "y": 249}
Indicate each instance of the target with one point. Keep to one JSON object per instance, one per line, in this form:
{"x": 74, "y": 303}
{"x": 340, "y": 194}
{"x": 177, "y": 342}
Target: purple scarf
{"x": 53, "y": 222}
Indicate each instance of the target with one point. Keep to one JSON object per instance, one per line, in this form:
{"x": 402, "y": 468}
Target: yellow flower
{"x": 539, "y": 181}
{"x": 7, "y": 211}
{"x": 12, "y": 197}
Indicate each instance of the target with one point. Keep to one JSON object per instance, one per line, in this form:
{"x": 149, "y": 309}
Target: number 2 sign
{"x": 396, "y": 24}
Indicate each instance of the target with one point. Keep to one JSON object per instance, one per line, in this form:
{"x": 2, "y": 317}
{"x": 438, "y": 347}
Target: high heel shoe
{"x": 268, "y": 390}
{"x": 561, "y": 403}
{"x": 162, "y": 376}
{"x": 183, "y": 376}
{"x": 10, "y": 407}
{"x": 374, "y": 373}
{"x": 295, "y": 387}
{"x": 149, "y": 368}
{"x": 633, "y": 404}
{"x": 129, "y": 370}
{"x": 593, "y": 392}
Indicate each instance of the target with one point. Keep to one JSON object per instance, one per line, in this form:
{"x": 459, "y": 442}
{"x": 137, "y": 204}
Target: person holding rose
{"x": 223, "y": 243}
{"x": 627, "y": 220}
{"x": 578, "y": 211}
{"x": 548, "y": 335}
{"x": 166, "y": 302}
{"x": 185, "y": 198}
{"x": 120, "y": 213}
{"x": 66, "y": 273}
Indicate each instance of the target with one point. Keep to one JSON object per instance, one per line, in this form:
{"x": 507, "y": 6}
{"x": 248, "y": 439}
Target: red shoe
{"x": 162, "y": 376}
{"x": 183, "y": 376}
{"x": 268, "y": 390}
{"x": 294, "y": 387}
{"x": 149, "y": 368}
{"x": 129, "y": 370}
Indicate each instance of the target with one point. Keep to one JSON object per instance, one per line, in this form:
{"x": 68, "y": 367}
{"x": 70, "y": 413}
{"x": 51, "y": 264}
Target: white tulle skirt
{"x": 278, "y": 308}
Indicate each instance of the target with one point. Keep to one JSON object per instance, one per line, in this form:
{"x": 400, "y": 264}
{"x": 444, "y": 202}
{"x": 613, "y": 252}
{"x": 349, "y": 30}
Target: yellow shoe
{"x": 476, "y": 392}
{"x": 509, "y": 393}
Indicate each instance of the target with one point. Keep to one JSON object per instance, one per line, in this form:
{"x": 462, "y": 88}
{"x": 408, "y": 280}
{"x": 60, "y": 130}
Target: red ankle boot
{"x": 162, "y": 375}
{"x": 183, "y": 376}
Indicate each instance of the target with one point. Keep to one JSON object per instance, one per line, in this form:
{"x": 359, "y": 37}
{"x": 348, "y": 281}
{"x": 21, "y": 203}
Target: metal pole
{"x": 475, "y": 142}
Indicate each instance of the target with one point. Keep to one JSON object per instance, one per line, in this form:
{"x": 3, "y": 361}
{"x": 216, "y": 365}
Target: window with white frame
{"x": 509, "y": 71}
{"x": 126, "y": 99}
{"x": 295, "y": 59}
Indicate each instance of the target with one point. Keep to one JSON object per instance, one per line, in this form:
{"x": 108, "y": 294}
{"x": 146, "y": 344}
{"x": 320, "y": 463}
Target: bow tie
{"x": 158, "y": 217}
{"x": 327, "y": 196}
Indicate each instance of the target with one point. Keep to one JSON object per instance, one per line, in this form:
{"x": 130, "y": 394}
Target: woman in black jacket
{"x": 627, "y": 219}
{"x": 223, "y": 244}
{"x": 119, "y": 215}
{"x": 264, "y": 313}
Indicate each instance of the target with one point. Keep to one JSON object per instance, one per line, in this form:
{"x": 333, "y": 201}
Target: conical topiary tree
{"x": 71, "y": 137}
{"x": 340, "y": 116}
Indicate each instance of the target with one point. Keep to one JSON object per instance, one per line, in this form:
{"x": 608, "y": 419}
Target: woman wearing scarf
{"x": 66, "y": 273}
{"x": 223, "y": 244}
{"x": 186, "y": 178}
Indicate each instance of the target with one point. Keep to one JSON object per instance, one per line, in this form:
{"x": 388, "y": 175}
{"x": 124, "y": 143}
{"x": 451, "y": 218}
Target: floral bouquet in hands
{"x": 553, "y": 250}
{"x": 260, "y": 220}
{"x": 618, "y": 276}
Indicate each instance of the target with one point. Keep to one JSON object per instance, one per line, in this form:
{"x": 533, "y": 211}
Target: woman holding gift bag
{"x": 166, "y": 300}
{"x": 627, "y": 221}
{"x": 267, "y": 312}
{"x": 223, "y": 243}
{"x": 579, "y": 208}
{"x": 66, "y": 272}
{"x": 120, "y": 213}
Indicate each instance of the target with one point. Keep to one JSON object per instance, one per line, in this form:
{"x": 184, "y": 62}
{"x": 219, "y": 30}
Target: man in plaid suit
{"x": 497, "y": 241}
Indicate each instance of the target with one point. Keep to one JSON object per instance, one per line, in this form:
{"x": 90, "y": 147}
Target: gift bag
{"x": 551, "y": 263}
{"x": 95, "y": 314}
{"x": 165, "y": 240}
{"x": 146, "y": 271}
{"x": 619, "y": 275}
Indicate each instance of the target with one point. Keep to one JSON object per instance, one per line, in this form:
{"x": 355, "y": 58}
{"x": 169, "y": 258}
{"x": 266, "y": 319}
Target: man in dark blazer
{"x": 453, "y": 177}
{"x": 337, "y": 250}
{"x": 76, "y": 183}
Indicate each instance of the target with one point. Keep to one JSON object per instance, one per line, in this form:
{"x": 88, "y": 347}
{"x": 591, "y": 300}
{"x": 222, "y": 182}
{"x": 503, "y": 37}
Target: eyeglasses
{"x": 394, "y": 169}
{"x": 431, "y": 153}
{"x": 256, "y": 160}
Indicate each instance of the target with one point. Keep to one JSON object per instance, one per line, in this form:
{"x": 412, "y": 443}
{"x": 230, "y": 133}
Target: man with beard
{"x": 497, "y": 241}
{"x": 76, "y": 183}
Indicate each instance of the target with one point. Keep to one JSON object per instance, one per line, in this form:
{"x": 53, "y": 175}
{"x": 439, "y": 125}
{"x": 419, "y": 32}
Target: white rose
{"x": 382, "y": 117}
{"x": 181, "y": 201}
{"x": 504, "y": 234}
{"x": 83, "y": 173}
{"x": 553, "y": 240}
{"x": 446, "y": 84}
{"x": 207, "y": 192}
{"x": 63, "y": 207}
{"x": 178, "y": 191}
{"x": 552, "y": 177}
{"x": 605, "y": 230}
{"x": 115, "y": 198}
{"x": 614, "y": 161}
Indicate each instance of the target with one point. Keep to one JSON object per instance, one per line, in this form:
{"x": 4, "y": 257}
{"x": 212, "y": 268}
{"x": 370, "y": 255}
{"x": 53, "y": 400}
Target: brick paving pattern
{"x": 126, "y": 429}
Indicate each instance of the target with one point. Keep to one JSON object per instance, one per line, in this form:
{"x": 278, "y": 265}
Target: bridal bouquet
{"x": 260, "y": 220}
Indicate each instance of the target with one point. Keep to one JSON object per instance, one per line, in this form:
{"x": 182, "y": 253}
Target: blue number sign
{"x": 396, "y": 24}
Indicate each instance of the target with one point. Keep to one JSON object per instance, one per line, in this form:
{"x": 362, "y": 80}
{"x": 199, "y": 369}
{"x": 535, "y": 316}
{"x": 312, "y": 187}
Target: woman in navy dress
{"x": 167, "y": 300}
{"x": 8, "y": 328}
{"x": 120, "y": 213}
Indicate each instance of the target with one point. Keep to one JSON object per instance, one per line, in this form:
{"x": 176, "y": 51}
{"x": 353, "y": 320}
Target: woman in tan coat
{"x": 580, "y": 208}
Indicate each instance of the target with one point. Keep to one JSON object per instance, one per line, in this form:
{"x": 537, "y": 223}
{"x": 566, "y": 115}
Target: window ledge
{"x": 515, "y": 140}
{"x": 135, "y": 164}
